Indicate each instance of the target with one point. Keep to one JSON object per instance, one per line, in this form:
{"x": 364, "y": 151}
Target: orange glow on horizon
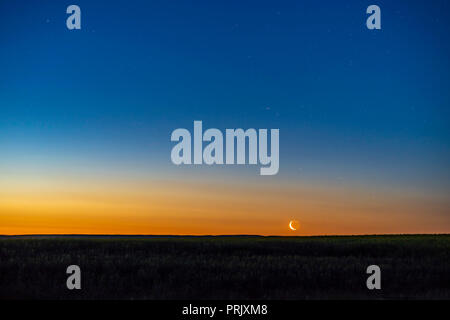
{"x": 206, "y": 208}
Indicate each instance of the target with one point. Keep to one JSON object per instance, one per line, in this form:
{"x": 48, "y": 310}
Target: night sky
{"x": 86, "y": 116}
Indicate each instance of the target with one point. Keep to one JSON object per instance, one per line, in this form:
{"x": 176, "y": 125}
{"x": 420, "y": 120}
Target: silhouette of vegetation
{"x": 242, "y": 267}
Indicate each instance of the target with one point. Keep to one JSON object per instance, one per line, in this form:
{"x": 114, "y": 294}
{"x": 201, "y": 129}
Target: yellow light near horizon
{"x": 101, "y": 206}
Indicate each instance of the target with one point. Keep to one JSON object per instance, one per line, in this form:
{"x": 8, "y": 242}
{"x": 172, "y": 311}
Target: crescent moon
{"x": 290, "y": 225}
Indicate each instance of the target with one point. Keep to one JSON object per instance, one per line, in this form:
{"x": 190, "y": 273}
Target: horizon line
{"x": 212, "y": 235}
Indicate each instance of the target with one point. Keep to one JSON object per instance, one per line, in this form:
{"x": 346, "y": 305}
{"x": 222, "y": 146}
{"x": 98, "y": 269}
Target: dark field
{"x": 416, "y": 266}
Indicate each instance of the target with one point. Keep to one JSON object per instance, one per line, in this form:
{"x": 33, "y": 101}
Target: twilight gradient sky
{"x": 86, "y": 116}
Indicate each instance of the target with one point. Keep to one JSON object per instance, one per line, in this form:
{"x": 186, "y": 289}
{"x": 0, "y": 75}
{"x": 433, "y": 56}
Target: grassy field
{"x": 413, "y": 266}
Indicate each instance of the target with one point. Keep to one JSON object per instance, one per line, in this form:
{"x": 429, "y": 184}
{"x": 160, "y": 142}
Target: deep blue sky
{"x": 352, "y": 104}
